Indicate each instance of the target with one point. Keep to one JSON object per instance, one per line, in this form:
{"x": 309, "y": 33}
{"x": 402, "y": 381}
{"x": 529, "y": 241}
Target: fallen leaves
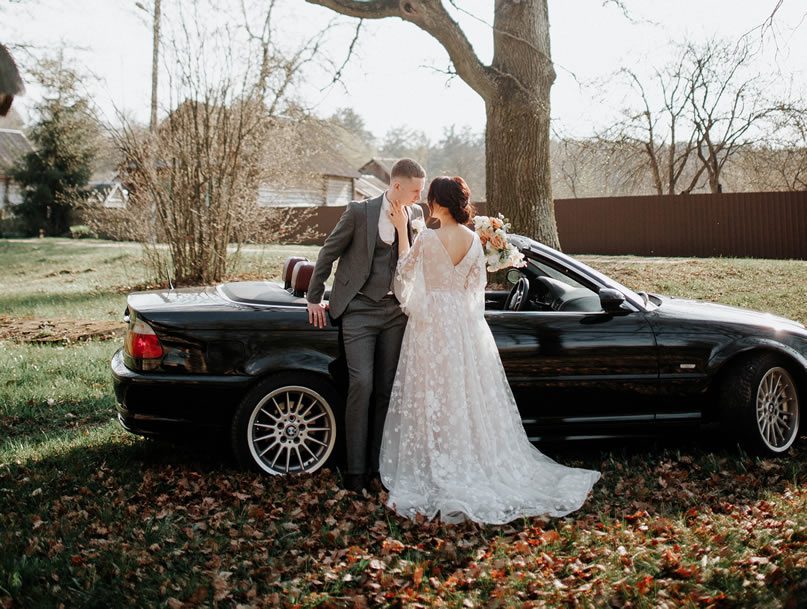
{"x": 195, "y": 537}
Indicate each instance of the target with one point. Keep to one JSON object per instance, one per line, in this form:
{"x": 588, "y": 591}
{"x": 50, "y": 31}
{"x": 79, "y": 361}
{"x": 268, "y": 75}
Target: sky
{"x": 396, "y": 74}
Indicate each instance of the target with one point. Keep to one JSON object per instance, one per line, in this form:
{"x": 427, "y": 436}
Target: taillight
{"x": 141, "y": 341}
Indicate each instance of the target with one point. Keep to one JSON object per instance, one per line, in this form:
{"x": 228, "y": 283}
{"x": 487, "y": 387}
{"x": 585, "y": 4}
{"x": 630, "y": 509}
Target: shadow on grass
{"x": 77, "y": 512}
{"x": 35, "y": 422}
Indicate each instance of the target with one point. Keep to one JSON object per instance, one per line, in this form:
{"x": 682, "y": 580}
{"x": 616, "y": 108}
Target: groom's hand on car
{"x": 316, "y": 314}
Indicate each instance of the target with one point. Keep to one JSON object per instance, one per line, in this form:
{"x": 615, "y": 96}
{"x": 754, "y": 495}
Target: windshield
{"x": 541, "y": 268}
{"x": 572, "y": 270}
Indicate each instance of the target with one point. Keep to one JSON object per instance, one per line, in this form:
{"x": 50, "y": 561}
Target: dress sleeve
{"x": 409, "y": 284}
{"x": 476, "y": 280}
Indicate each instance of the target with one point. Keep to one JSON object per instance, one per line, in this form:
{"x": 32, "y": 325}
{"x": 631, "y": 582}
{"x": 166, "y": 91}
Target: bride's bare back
{"x": 456, "y": 240}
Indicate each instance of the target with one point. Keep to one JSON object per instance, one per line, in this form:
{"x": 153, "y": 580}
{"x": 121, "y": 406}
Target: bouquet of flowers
{"x": 500, "y": 253}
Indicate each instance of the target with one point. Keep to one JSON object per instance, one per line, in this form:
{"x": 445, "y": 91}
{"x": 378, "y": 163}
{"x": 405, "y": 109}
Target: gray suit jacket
{"x": 352, "y": 242}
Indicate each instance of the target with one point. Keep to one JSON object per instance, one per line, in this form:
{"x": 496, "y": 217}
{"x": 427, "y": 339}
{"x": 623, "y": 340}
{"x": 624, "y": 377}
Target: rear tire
{"x": 289, "y": 423}
{"x": 759, "y": 404}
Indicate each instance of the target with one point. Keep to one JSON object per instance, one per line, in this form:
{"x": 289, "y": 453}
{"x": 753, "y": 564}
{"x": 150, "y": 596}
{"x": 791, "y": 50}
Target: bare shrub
{"x": 193, "y": 181}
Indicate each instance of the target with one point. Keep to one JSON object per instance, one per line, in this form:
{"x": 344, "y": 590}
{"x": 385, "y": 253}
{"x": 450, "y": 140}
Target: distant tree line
{"x": 458, "y": 151}
{"x": 705, "y": 122}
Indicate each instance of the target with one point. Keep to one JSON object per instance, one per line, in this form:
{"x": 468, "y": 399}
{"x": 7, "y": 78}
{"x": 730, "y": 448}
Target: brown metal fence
{"x": 754, "y": 224}
{"x": 321, "y": 219}
{"x": 757, "y": 225}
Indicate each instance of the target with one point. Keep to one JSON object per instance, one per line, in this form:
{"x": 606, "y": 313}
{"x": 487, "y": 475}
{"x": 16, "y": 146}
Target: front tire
{"x": 760, "y": 405}
{"x": 288, "y": 424}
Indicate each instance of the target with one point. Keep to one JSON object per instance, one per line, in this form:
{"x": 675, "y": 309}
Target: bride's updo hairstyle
{"x": 454, "y": 195}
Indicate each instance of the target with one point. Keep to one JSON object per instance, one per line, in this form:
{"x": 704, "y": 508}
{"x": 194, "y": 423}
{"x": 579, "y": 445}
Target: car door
{"x": 579, "y": 372}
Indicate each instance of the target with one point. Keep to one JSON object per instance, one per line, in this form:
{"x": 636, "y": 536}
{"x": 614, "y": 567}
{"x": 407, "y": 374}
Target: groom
{"x": 366, "y": 244}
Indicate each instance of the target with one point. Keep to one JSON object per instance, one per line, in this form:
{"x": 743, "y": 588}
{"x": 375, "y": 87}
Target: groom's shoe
{"x": 355, "y": 482}
{"x": 375, "y": 482}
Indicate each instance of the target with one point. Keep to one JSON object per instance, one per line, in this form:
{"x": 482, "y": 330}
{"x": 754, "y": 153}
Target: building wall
{"x": 339, "y": 191}
{"x": 302, "y": 195}
{"x": 330, "y": 190}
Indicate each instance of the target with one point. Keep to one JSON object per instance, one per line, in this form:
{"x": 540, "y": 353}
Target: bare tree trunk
{"x": 519, "y": 181}
{"x": 517, "y": 165}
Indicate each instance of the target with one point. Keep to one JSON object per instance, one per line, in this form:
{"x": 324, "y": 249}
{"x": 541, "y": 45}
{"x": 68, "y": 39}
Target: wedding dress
{"x": 453, "y": 439}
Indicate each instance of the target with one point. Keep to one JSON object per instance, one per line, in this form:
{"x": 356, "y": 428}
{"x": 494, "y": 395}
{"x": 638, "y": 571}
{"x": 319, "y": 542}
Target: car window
{"x": 543, "y": 269}
{"x": 562, "y": 291}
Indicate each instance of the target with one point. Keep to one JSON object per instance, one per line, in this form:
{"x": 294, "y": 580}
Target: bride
{"x": 453, "y": 441}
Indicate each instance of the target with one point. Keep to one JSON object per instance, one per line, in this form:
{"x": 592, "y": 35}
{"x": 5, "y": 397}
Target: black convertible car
{"x": 586, "y": 358}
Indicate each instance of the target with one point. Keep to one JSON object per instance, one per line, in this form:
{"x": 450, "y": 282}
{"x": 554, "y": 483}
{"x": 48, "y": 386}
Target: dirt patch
{"x": 57, "y": 330}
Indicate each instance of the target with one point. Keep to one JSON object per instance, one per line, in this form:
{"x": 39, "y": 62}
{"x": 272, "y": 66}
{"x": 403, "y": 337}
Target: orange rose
{"x": 495, "y": 223}
{"x": 497, "y": 242}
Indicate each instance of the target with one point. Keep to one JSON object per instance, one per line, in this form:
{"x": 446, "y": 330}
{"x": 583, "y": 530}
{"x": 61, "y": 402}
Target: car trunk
{"x": 235, "y": 305}
{"x": 217, "y": 329}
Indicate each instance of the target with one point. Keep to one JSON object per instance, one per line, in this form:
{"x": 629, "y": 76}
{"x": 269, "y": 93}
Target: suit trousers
{"x": 372, "y": 333}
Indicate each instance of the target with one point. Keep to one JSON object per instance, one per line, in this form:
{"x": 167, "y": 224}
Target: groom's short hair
{"x": 407, "y": 168}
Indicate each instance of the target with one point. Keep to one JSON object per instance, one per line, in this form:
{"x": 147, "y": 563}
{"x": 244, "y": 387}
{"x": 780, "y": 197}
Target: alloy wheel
{"x": 291, "y": 430}
{"x": 777, "y": 409}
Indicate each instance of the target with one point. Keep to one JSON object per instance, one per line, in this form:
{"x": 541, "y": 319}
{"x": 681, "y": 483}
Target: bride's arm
{"x": 399, "y": 219}
{"x": 476, "y": 281}
{"x": 408, "y": 283}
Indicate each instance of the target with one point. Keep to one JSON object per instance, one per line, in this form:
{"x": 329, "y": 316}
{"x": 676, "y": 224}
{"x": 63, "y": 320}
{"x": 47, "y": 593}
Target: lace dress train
{"x": 453, "y": 439}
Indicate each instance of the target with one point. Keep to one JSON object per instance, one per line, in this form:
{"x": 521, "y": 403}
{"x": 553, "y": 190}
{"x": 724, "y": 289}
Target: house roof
{"x": 324, "y": 156}
{"x": 385, "y": 163}
{"x": 370, "y": 186}
{"x": 13, "y": 145}
{"x": 331, "y": 163}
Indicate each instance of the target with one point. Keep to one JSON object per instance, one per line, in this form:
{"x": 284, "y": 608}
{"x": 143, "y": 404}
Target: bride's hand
{"x": 398, "y": 216}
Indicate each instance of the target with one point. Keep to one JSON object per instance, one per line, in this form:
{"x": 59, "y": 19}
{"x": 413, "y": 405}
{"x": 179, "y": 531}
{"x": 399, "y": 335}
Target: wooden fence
{"x": 756, "y": 225}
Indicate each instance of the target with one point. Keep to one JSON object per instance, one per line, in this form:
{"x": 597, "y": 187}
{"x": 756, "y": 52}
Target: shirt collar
{"x": 385, "y": 202}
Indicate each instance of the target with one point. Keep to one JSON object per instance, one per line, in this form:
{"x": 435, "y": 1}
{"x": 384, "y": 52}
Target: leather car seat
{"x": 288, "y": 269}
{"x": 301, "y": 277}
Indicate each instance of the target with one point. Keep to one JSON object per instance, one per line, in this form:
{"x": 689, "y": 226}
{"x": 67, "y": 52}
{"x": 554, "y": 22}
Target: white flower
{"x": 418, "y": 225}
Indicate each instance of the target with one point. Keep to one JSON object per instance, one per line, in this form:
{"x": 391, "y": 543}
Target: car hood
{"x": 696, "y": 309}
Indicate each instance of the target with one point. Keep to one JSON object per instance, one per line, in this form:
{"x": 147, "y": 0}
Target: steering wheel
{"x": 517, "y": 298}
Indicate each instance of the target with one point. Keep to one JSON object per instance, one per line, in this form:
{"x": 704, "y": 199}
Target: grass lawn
{"x": 774, "y": 286}
{"x": 80, "y": 279}
{"x": 91, "y": 516}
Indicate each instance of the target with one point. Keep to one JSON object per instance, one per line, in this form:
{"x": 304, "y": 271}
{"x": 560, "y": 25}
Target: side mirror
{"x": 513, "y": 276}
{"x": 611, "y": 301}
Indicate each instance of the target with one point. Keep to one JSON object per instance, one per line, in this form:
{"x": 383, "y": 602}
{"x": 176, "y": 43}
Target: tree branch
{"x": 372, "y": 9}
{"x": 432, "y": 17}
{"x": 338, "y": 74}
